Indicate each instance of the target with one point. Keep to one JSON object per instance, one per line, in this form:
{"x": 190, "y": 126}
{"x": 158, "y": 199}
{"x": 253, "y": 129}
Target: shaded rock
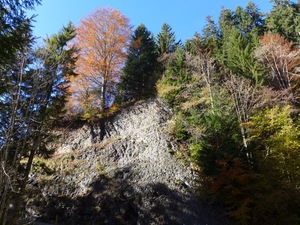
{"x": 121, "y": 171}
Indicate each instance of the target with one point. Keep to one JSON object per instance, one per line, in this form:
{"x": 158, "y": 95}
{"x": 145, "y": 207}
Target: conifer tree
{"x": 32, "y": 103}
{"x": 176, "y": 72}
{"x": 284, "y": 19}
{"x": 140, "y": 71}
{"x": 166, "y": 40}
{"x": 240, "y": 30}
{"x": 15, "y": 28}
{"x": 194, "y": 45}
{"x": 58, "y": 65}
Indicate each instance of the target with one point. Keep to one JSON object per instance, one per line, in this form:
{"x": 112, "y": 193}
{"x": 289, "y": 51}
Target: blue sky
{"x": 184, "y": 16}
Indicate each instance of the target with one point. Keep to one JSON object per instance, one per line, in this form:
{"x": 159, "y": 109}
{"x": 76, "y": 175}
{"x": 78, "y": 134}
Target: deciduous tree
{"x": 282, "y": 59}
{"x": 102, "y": 37}
{"x": 275, "y": 135}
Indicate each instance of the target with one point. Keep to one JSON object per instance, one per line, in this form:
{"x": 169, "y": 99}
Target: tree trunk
{"x": 103, "y": 94}
{"x": 22, "y": 188}
{"x": 4, "y": 203}
{"x": 10, "y": 176}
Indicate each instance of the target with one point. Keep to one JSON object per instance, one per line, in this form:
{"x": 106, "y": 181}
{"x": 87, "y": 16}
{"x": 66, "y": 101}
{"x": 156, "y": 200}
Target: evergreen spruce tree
{"x": 140, "y": 71}
{"x": 166, "y": 40}
{"x": 15, "y": 28}
{"x": 32, "y": 102}
{"x": 176, "y": 72}
{"x": 284, "y": 19}
{"x": 239, "y": 35}
{"x": 58, "y": 65}
{"x": 210, "y": 35}
{"x": 194, "y": 45}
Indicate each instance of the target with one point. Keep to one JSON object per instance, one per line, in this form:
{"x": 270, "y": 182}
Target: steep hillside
{"x": 125, "y": 170}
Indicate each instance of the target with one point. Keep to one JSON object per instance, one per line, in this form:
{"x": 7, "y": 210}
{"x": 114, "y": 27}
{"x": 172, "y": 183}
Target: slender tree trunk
{"x": 22, "y": 188}
{"x": 7, "y": 170}
{"x": 103, "y": 94}
{"x": 4, "y": 203}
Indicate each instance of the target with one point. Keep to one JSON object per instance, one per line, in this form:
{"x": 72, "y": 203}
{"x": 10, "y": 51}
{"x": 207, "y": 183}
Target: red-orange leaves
{"x": 231, "y": 187}
{"x": 103, "y": 37}
{"x": 282, "y": 59}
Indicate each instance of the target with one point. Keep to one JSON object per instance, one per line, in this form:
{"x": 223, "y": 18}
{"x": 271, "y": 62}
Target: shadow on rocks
{"x": 115, "y": 200}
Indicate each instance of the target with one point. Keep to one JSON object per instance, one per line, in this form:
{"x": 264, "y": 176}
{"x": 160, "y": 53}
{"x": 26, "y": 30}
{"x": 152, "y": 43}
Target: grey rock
{"x": 127, "y": 173}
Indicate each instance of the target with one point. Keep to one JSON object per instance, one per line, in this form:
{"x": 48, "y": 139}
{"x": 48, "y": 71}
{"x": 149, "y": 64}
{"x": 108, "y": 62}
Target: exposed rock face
{"x": 120, "y": 171}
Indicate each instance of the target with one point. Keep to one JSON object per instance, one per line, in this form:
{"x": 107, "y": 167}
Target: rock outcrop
{"x": 124, "y": 170}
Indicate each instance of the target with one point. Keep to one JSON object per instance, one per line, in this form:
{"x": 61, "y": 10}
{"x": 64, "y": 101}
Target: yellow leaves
{"x": 164, "y": 88}
{"x": 279, "y": 137}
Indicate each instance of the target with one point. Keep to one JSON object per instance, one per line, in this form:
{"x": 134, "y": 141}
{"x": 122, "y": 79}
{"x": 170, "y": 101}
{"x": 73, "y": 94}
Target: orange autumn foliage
{"x": 282, "y": 58}
{"x": 231, "y": 186}
{"x": 102, "y": 37}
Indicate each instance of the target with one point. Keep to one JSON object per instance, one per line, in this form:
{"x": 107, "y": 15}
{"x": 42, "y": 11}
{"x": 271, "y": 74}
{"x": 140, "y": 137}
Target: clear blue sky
{"x": 184, "y": 16}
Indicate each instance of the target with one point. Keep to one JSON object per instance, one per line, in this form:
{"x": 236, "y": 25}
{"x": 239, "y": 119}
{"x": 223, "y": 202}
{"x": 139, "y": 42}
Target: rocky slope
{"x": 125, "y": 170}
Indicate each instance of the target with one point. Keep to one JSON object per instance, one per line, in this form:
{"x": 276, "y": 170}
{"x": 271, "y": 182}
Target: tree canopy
{"x": 31, "y": 106}
{"x": 15, "y": 27}
{"x": 141, "y": 67}
{"x": 233, "y": 88}
{"x": 102, "y": 38}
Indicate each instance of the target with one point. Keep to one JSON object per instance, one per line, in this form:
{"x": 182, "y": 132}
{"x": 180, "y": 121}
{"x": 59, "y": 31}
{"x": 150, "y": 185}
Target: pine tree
{"x": 140, "y": 71}
{"x": 166, "y": 40}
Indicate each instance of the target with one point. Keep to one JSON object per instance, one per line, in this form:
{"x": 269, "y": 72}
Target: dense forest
{"x": 234, "y": 88}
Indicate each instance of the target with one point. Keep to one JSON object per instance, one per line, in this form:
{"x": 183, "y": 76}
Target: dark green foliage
{"x": 58, "y": 64}
{"x": 181, "y": 127}
{"x": 248, "y": 158}
{"x": 166, "y": 40}
{"x": 211, "y": 35}
{"x": 15, "y": 28}
{"x": 284, "y": 19}
{"x": 238, "y": 56}
{"x": 141, "y": 67}
{"x": 240, "y": 32}
{"x": 220, "y": 138}
{"x": 15, "y": 33}
{"x": 30, "y": 107}
{"x": 194, "y": 45}
{"x": 248, "y": 21}
{"x": 176, "y": 71}
{"x": 258, "y": 182}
